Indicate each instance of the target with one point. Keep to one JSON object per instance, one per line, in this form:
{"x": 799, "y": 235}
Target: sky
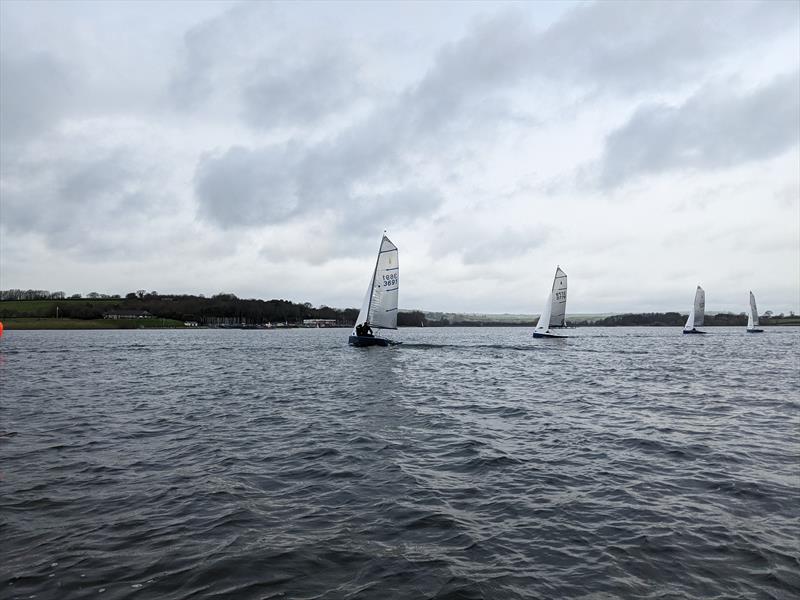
{"x": 261, "y": 149}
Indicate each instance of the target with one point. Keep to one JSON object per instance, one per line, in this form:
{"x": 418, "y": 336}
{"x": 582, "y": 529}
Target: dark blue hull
{"x": 755, "y": 331}
{"x": 365, "y": 340}
{"x": 536, "y": 334}
{"x": 693, "y": 331}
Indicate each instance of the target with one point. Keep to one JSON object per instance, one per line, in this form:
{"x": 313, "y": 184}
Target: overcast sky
{"x": 262, "y": 148}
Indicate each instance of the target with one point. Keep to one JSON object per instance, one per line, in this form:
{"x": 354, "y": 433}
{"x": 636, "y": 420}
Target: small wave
{"x": 489, "y": 466}
{"x": 430, "y": 346}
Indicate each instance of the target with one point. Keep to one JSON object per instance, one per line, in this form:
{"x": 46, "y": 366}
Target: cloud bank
{"x": 273, "y": 143}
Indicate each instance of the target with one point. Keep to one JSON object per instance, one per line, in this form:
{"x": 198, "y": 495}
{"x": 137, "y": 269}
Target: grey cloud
{"x": 35, "y": 92}
{"x": 91, "y": 206}
{"x": 249, "y": 188}
{"x": 246, "y": 62}
{"x": 491, "y": 57}
{"x": 351, "y": 227}
{"x": 631, "y": 46}
{"x": 480, "y": 245}
{"x": 626, "y": 47}
{"x": 281, "y": 183}
{"x": 622, "y": 47}
{"x": 216, "y": 49}
{"x": 505, "y": 245}
{"x": 99, "y": 180}
{"x": 192, "y": 83}
{"x": 613, "y": 46}
{"x": 369, "y": 213}
{"x": 279, "y": 94}
{"x": 715, "y": 128}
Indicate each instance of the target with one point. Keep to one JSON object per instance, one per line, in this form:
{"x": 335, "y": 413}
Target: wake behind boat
{"x": 555, "y": 308}
{"x": 379, "y": 308}
{"x": 752, "y": 318}
{"x": 698, "y": 312}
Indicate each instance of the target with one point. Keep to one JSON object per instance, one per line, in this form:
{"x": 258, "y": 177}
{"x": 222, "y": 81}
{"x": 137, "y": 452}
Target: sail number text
{"x": 390, "y": 280}
{"x": 561, "y": 296}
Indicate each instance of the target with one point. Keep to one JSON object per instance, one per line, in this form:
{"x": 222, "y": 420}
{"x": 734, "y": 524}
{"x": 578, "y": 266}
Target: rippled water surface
{"x": 466, "y": 463}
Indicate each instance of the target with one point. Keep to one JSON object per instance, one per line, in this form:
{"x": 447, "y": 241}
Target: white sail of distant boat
{"x": 698, "y": 312}
{"x": 555, "y": 308}
{"x": 379, "y": 308}
{"x": 752, "y": 317}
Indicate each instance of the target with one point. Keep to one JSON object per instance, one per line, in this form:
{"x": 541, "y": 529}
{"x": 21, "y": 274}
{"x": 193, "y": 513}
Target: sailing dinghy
{"x": 697, "y": 313}
{"x": 554, "y": 312}
{"x": 752, "y": 318}
{"x": 379, "y": 308}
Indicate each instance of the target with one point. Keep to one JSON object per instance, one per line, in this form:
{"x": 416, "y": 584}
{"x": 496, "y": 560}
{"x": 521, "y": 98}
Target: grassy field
{"x": 784, "y": 321}
{"x": 44, "y": 323}
{"x": 47, "y": 308}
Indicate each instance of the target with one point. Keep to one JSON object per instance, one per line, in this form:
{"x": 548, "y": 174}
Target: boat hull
{"x": 362, "y": 341}
{"x": 538, "y": 335}
{"x": 688, "y": 331}
{"x": 755, "y": 331}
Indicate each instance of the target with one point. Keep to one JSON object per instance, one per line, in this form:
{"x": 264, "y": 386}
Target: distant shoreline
{"x": 41, "y": 309}
{"x": 45, "y": 323}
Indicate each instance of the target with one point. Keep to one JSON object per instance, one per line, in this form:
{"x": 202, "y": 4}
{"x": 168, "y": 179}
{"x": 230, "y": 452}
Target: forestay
{"x": 380, "y": 302}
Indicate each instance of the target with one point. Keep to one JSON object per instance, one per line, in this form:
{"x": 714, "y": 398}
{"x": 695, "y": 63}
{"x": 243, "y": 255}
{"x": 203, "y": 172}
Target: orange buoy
{"x": 1, "y": 329}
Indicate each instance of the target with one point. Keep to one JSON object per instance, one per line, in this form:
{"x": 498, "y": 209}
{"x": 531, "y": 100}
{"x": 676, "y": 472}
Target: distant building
{"x": 190, "y": 324}
{"x": 319, "y": 322}
{"x": 127, "y": 314}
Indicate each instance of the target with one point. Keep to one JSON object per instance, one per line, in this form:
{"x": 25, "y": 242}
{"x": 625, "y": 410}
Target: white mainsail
{"x": 558, "y": 308}
{"x": 698, "y": 312}
{"x": 379, "y": 308}
{"x": 556, "y": 305}
{"x": 752, "y": 319}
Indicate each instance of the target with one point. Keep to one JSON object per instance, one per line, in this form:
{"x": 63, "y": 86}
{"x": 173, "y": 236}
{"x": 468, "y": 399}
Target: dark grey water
{"x": 467, "y": 463}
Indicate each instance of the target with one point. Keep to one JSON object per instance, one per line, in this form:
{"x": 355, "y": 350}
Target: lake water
{"x": 464, "y": 464}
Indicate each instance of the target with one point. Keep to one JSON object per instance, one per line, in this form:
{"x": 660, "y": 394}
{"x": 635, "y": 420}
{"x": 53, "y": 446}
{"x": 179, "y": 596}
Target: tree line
{"x": 227, "y": 308}
{"x": 15, "y": 294}
{"x": 220, "y": 308}
{"x": 674, "y": 319}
